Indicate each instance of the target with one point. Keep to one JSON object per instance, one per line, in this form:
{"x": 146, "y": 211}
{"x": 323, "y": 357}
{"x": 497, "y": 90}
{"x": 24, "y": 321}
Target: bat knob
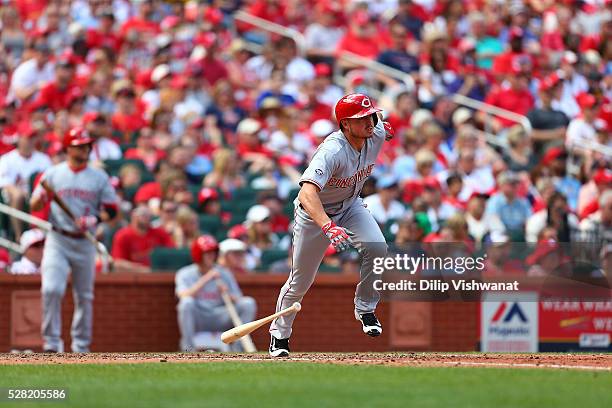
{"x": 297, "y": 307}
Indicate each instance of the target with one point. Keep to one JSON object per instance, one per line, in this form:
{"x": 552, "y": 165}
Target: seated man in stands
{"x": 232, "y": 253}
{"x": 136, "y": 241}
{"x": 199, "y": 287}
{"x": 32, "y": 243}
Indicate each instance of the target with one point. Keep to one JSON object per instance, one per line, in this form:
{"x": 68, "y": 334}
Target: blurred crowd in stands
{"x": 205, "y": 121}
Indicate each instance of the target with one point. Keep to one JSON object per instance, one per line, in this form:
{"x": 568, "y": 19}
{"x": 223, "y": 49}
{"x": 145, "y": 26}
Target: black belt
{"x": 71, "y": 234}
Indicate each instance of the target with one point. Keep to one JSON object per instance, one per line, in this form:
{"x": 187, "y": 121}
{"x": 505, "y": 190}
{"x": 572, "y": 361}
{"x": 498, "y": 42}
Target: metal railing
{"x": 272, "y": 27}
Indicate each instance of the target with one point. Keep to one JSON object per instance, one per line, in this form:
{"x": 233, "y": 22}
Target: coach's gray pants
{"x": 62, "y": 255}
{"x": 309, "y": 245}
{"x": 193, "y": 318}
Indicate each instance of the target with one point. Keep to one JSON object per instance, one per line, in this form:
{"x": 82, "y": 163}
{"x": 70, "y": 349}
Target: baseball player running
{"x": 85, "y": 190}
{"x": 328, "y": 208}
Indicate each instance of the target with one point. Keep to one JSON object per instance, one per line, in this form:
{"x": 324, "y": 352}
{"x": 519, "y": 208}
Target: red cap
{"x": 25, "y": 129}
{"x": 206, "y": 194}
{"x": 322, "y": 69}
{"x": 354, "y": 106}
{"x": 237, "y": 231}
{"x": 431, "y": 182}
{"x": 205, "y": 243}
{"x": 553, "y": 154}
{"x": 542, "y": 249}
{"x": 213, "y": 15}
{"x": 602, "y": 177}
{"x": 178, "y": 82}
{"x": 169, "y": 22}
{"x": 77, "y": 137}
{"x": 361, "y": 17}
{"x": 586, "y": 100}
{"x": 91, "y": 117}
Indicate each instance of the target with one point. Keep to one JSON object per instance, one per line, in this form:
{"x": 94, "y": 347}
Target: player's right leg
{"x": 55, "y": 269}
{"x": 309, "y": 245}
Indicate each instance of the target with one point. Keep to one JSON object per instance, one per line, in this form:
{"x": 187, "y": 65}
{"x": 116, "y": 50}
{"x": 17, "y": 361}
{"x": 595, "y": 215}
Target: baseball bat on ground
{"x": 100, "y": 248}
{"x": 246, "y": 341}
{"x": 234, "y": 334}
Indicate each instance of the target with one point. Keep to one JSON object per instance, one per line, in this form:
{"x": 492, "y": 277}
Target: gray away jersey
{"x": 340, "y": 171}
{"x": 83, "y": 191}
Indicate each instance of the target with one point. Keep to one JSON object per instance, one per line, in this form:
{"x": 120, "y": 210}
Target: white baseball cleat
{"x": 370, "y": 324}
{"x": 279, "y": 347}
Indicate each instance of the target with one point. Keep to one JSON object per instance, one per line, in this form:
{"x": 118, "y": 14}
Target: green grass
{"x": 292, "y": 384}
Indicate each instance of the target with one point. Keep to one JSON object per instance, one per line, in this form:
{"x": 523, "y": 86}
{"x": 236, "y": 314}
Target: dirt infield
{"x": 584, "y": 361}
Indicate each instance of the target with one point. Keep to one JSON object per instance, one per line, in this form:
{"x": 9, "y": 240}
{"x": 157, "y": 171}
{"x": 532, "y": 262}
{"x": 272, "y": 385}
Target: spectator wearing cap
{"x": 384, "y": 205}
{"x": 437, "y": 210}
{"x": 104, "y": 147}
{"x": 508, "y": 206}
{"x": 480, "y": 223}
{"x": 250, "y": 148}
{"x": 600, "y": 179}
{"x": 260, "y": 235}
{"x": 362, "y": 37}
{"x": 239, "y": 74}
{"x": 324, "y": 33}
{"x": 128, "y": 116}
{"x": 208, "y": 201}
{"x": 574, "y": 83}
{"x": 232, "y": 256}
{"x": 515, "y": 97}
{"x": 581, "y": 131}
{"x": 32, "y": 242}
{"x": 328, "y": 92}
{"x": 161, "y": 78}
{"x": 33, "y": 73}
{"x": 597, "y": 227}
{"x": 18, "y": 166}
{"x": 498, "y": 261}
{"x": 519, "y": 155}
{"x": 556, "y": 215}
{"x": 142, "y": 24}
{"x": 503, "y": 63}
{"x": 59, "y": 93}
{"x": 225, "y": 176}
{"x": 549, "y": 123}
{"x": 135, "y": 242}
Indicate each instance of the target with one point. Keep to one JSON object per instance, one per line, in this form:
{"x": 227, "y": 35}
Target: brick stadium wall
{"x": 135, "y": 312}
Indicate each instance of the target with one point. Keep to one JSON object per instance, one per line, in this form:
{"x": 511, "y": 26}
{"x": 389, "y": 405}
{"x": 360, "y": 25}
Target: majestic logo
{"x": 319, "y": 172}
{"x": 351, "y": 181}
{"x": 515, "y": 310}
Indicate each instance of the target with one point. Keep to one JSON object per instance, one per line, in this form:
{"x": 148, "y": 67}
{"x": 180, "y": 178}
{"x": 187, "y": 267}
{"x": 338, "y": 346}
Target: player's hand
{"x": 341, "y": 238}
{"x": 389, "y": 132}
{"x": 222, "y": 287}
{"x": 86, "y": 222}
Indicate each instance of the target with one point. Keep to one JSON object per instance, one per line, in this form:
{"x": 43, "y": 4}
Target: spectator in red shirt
{"x": 128, "y": 115}
{"x": 61, "y": 92}
{"x": 502, "y": 65}
{"x": 104, "y": 35}
{"x": 145, "y": 149}
{"x": 135, "y": 242}
{"x": 515, "y": 98}
{"x": 362, "y": 38}
{"x": 141, "y": 25}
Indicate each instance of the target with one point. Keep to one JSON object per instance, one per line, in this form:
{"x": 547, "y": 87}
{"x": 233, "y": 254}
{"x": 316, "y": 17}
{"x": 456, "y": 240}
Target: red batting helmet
{"x": 206, "y": 194}
{"x": 354, "y": 106}
{"x": 76, "y": 137}
{"x": 205, "y": 243}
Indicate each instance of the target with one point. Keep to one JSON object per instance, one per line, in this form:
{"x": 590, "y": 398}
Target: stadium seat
{"x": 170, "y": 259}
{"x": 269, "y": 256}
{"x": 209, "y": 224}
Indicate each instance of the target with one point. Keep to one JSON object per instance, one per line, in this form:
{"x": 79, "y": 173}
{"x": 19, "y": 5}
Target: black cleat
{"x": 370, "y": 324}
{"x": 279, "y": 347}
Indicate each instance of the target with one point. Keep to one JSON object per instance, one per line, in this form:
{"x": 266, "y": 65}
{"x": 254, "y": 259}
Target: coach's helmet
{"x": 355, "y": 106}
{"x": 77, "y": 136}
{"x": 204, "y": 243}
